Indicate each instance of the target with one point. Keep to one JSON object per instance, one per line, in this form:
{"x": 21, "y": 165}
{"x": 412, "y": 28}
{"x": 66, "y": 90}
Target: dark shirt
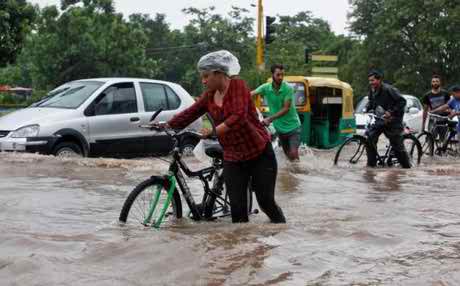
{"x": 434, "y": 101}
{"x": 389, "y": 98}
{"x": 247, "y": 137}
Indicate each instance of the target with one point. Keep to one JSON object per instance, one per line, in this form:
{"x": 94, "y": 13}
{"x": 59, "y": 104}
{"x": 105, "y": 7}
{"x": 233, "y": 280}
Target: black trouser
{"x": 395, "y": 135}
{"x": 262, "y": 171}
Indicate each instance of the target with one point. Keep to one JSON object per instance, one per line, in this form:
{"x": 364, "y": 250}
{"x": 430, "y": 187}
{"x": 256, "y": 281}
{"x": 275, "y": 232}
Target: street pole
{"x": 260, "y": 42}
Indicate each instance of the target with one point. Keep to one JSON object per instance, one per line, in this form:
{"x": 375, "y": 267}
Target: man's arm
{"x": 258, "y": 91}
{"x": 282, "y": 112}
{"x": 400, "y": 102}
{"x": 442, "y": 108}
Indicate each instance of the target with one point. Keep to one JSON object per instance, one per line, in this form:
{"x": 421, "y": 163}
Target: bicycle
{"x": 351, "y": 152}
{"x": 158, "y": 198}
{"x": 440, "y": 139}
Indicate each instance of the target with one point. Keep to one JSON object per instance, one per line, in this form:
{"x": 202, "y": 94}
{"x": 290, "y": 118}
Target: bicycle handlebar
{"x": 437, "y": 115}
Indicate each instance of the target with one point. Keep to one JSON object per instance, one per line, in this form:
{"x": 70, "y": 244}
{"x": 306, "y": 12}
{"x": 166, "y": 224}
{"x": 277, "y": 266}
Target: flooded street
{"x": 59, "y": 222}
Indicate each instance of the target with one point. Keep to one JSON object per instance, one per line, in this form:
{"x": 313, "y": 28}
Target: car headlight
{"x": 26, "y": 131}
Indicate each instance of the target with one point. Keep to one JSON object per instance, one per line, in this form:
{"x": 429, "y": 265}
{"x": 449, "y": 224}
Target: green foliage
{"x": 6, "y": 98}
{"x": 16, "y": 18}
{"x": 84, "y": 42}
{"x": 410, "y": 40}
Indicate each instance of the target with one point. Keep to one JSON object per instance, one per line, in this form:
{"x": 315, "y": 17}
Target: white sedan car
{"x": 413, "y": 116}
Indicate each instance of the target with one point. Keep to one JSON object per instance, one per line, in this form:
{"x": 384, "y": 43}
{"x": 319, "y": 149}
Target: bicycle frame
{"x": 175, "y": 176}
{"x": 380, "y": 158}
{"x": 445, "y": 131}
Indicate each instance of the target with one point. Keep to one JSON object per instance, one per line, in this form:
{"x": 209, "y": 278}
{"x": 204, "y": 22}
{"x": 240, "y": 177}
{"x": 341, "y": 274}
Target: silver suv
{"x": 97, "y": 117}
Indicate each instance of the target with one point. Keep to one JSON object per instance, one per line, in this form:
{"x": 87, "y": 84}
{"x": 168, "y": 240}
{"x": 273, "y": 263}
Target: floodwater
{"x": 58, "y": 221}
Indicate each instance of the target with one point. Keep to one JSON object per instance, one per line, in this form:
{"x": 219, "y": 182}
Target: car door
{"x": 113, "y": 121}
{"x": 413, "y": 120}
{"x": 154, "y": 97}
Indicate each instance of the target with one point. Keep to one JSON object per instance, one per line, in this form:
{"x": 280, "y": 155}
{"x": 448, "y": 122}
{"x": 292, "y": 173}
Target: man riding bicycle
{"x": 385, "y": 96}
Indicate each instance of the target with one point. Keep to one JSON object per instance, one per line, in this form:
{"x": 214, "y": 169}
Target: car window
{"x": 158, "y": 96}
{"x": 117, "y": 99}
{"x": 70, "y": 95}
{"x": 173, "y": 99}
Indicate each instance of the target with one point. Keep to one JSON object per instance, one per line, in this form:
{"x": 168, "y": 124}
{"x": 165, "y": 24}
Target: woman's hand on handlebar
{"x": 158, "y": 126}
{"x": 206, "y": 133}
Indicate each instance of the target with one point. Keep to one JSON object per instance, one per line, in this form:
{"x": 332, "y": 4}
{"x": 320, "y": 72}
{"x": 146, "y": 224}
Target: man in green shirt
{"x": 280, "y": 99}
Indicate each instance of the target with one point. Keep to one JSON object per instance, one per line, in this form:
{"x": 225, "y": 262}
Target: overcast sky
{"x": 333, "y": 11}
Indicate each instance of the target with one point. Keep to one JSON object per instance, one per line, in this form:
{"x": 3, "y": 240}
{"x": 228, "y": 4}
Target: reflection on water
{"x": 345, "y": 227}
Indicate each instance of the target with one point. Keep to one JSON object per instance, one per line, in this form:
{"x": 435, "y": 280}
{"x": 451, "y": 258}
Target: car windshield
{"x": 412, "y": 102}
{"x": 361, "y": 106}
{"x": 70, "y": 95}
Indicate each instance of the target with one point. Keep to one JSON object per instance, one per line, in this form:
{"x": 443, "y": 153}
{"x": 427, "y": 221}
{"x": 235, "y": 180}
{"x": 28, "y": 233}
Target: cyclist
{"x": 453, "y": 108}
{"x": 283, "y": 114}
{"x": 248, "y": 152}
{"x": 433, "y": 99}
{"x": 383, "y": 95}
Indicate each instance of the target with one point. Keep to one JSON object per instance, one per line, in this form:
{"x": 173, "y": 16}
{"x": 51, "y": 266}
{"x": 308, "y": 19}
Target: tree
{"x": 410, "y": 40}
{"x": 295, "y": 34}
{"x": 16, "y": 18}
{"x": 83, "y": 42}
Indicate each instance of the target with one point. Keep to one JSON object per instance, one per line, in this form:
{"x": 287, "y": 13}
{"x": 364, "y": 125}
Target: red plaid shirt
{"x": 247, "y": 137}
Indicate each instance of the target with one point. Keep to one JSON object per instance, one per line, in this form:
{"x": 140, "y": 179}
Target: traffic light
{"x": 307, "y": 55}
{"x": 269, "y": 29}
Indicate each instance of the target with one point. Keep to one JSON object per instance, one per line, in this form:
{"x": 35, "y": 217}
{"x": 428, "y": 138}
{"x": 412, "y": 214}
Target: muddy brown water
{"x": 58, "y": 222}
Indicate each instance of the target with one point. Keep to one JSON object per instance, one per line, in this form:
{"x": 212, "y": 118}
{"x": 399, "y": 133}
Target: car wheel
{"x": 68, "y": 150}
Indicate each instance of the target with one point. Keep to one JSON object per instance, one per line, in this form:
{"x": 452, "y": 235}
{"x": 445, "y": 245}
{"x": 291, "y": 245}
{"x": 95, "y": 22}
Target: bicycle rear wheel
{"x": 148, "y": 204}
{"x": 352, "y": 153}
{"x": 217, "y": 203}
{"x": 413, "y": 148}
{"x": 427, "y": 143}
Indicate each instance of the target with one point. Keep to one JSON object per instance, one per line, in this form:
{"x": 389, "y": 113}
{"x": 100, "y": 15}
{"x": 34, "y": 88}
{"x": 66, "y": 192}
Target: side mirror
{"x": 90, "y": 110}
{"x": 413, "y": 110}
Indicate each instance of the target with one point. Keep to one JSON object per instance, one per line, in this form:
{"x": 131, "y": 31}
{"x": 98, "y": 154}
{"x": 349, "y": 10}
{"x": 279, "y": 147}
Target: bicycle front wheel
{"x": 427, "y": 143}
{"x": 352, "y": 153}
{"x": 149, "y": 204}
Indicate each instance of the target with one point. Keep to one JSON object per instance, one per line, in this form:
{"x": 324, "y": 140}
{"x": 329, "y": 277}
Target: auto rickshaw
{"x": 325, "y": 108}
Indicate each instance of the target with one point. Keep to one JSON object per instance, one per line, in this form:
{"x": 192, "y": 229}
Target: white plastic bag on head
{"x": 222, "y": 61}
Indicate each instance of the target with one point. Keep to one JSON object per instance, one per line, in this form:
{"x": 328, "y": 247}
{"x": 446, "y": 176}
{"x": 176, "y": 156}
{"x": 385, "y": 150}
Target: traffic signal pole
{"x": 260, "y": 42}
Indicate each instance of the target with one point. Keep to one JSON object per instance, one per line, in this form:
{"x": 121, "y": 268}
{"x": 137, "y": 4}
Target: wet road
{"x": 58, "y": 221}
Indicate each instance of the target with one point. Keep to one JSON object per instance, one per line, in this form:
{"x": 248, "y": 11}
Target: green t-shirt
{"x": 275, "y": 100}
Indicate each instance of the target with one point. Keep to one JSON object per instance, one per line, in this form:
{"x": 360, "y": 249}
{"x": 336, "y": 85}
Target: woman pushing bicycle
{"x": 248, "y": 153}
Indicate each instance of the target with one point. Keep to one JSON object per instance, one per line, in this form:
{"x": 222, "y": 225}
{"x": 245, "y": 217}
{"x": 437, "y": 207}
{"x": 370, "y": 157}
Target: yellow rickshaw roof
{"x": 320, "y": 81}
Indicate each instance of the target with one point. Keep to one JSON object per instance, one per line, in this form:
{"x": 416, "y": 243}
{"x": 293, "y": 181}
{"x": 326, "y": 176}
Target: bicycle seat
{"x": 214, "y": 151}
